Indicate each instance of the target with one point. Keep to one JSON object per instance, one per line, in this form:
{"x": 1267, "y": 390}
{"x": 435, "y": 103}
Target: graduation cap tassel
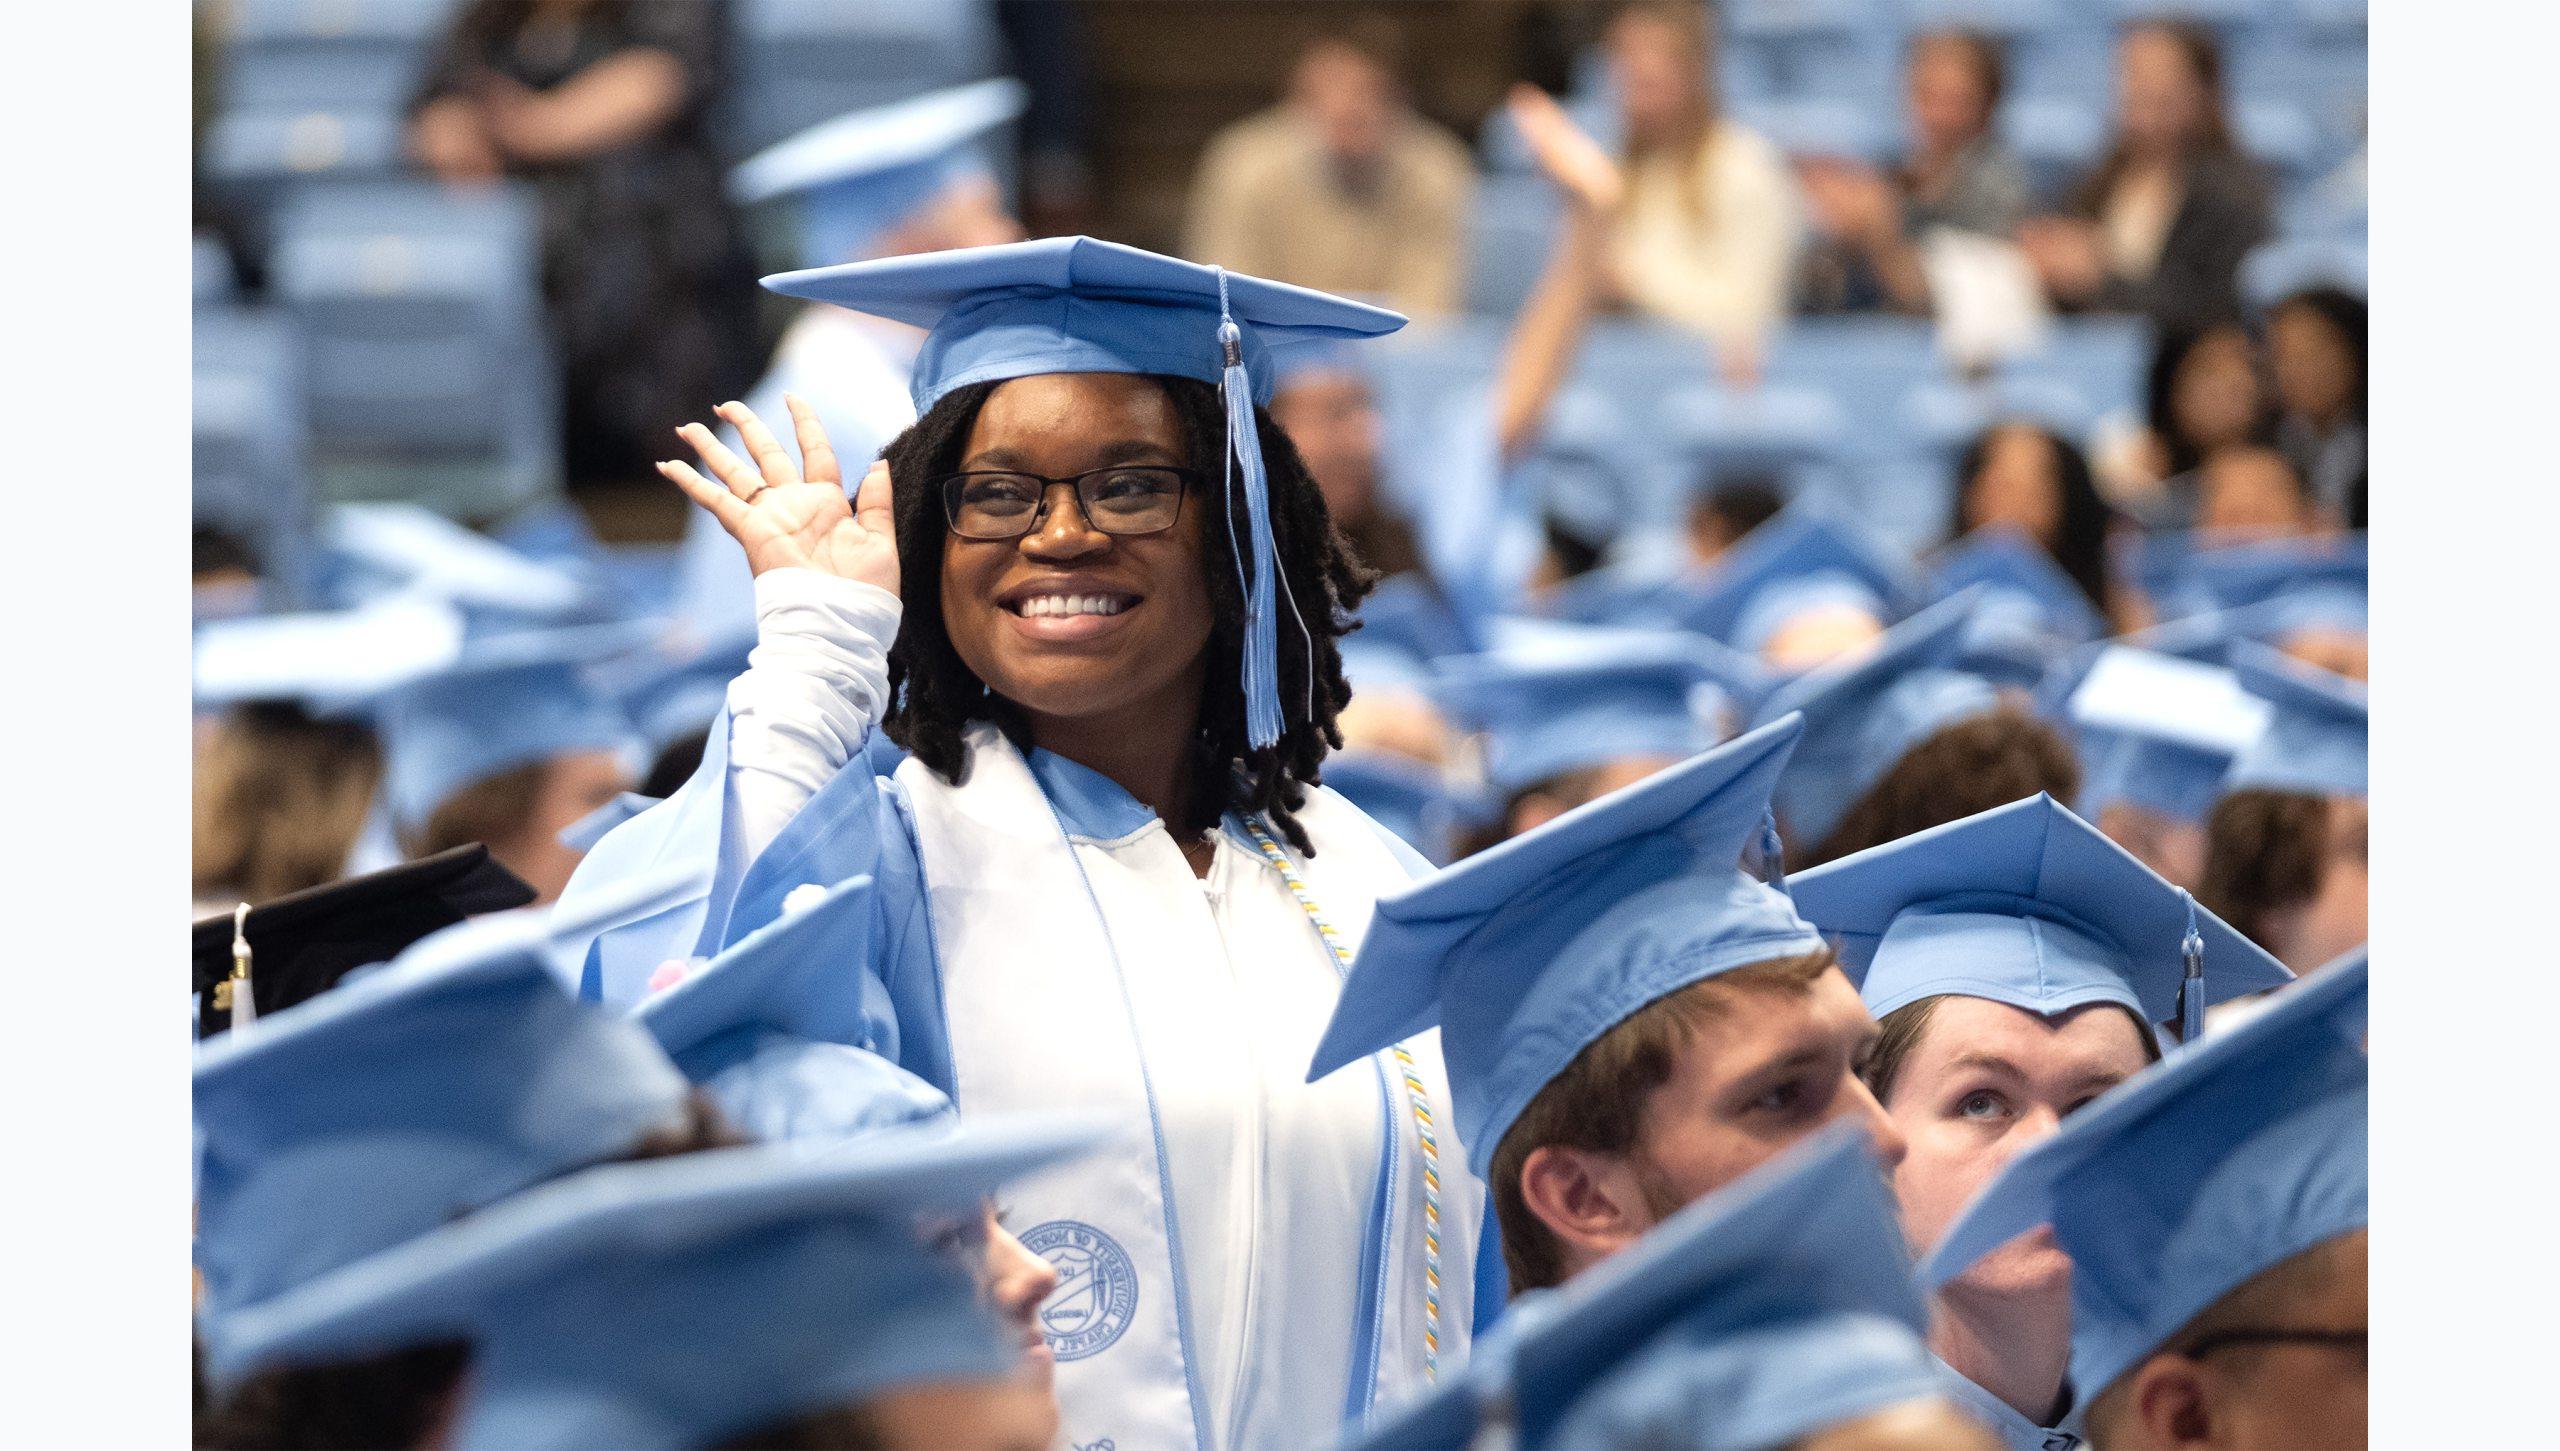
{"x": 244, "y": 996}
{"x": 1262, "y": 717}
{"x": 2191, "y": 988}
{"x": 1773, "y": 852}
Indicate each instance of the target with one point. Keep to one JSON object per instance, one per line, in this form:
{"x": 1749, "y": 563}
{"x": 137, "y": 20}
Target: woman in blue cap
{"x": 1099, "y": 610}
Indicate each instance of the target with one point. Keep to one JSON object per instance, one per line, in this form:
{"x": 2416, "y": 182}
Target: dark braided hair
{"x": 937, "y": 695}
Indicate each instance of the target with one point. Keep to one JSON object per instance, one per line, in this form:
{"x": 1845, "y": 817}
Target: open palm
{"x": 790, "y": 515}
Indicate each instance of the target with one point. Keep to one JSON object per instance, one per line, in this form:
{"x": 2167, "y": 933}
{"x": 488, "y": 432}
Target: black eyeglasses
{"x": 2333, "y": 1339}
{"x": 1123, "y": 500}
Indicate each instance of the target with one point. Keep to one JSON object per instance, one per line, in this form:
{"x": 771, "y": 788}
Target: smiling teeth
{"x": 1057, "y": 606}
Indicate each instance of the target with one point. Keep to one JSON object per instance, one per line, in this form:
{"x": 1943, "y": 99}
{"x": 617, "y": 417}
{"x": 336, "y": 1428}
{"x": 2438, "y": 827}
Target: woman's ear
{"x": 1589, "y": 1201}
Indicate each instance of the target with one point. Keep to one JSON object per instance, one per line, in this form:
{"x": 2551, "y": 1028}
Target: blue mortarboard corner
{"x": 1747, "y": 1321}
{"x": 346, "y": 1125}
{"x": 1525, "y": 954}
{"x": 2221, "y": 1161}
{"x": 670, "y": 1304}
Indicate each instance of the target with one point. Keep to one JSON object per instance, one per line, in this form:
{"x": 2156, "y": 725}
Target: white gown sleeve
{"x": 815, "y": 687}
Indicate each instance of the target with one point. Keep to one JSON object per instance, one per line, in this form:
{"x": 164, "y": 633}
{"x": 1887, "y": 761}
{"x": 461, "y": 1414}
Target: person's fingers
{"x": 724, "y": 506}
{"x": 874, "y": 506}
{"x": 817, "y": 456}
{"x": 762, "y": 446}
{"x": 737, "y": 473}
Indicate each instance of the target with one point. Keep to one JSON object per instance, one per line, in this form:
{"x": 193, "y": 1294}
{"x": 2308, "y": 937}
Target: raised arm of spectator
{"x": 1550, "y": 327}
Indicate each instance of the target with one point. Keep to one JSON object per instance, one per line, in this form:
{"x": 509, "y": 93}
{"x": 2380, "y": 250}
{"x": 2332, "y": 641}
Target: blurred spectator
{"x": 604, "y": 106}
{"x": 2202, "y": 394}
{"x": 2161, "y": 225}
{"x": 1708, "y": 233}
{"x": 280, "y": 798}
{"x": 1959, "y": 176}
{"x": 1340, "y": 187}
{"x": 2289, "y": 870}
{"x": 2025, "y": 476}
{"x": 2252, "y": 489}
{"x": 1329, "y": 413}
{"x": 2315, "y": 350}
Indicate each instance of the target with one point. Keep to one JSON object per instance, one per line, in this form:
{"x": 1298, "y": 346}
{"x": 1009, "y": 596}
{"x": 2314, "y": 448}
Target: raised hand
{"x": 790, "y": 517}
{"x": 1564, "y": 151}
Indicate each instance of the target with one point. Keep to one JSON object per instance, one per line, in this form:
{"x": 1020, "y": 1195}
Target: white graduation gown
{"x": 1247, "y": 1270}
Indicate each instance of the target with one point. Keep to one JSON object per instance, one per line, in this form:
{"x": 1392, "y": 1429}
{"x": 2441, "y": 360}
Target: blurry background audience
{"x": 1754, "y": 327}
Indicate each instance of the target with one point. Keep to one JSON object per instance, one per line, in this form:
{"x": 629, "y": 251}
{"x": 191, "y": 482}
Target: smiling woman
{"x": 1095, "y": 595}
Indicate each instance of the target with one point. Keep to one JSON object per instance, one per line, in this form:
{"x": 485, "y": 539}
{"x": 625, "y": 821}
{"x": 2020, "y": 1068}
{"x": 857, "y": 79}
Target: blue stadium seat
{"x": 2056, "y": 138}
{"x": 2279, "y": 269}
{"x": 2222, "y": 14}
{"x": 1509, "y": 234}
{"x": 2008, "y": 20}
{"x": 2072, "y": 60}
{"x": 421, "y": 314}
{"x": 302, "y": 55}
{"x": 2281, "y": 135}
{"x": 799, "y": 62}
{"x": 2327, "y": 210}
{"x": 2104, "y": 359}
{"x": 1798, "y": 434}
{"x": 1865, "y": 364}
{"x": 249, "y": 466}
{"x": 1824, "y": 127}
{"x": 1836, "y": 49}
{"x": 255, "y": 155}
{"x": 1947, "y": 415}
{"x": 215, "y": 278}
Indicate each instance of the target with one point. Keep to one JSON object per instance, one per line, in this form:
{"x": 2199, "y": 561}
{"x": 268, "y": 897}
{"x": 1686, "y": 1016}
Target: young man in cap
{"x": 1631, "y": 1021}
{"x": 2215, "y": 1212}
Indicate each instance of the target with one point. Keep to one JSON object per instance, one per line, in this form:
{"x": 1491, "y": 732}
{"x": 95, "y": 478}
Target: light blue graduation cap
{"x": 1525, "y": 954}
{"x": 1405, "y": 627}
{"x": 375, "y": 1112}
{"x": 1554, "y": 708}
{"x": 2019, "y": 578}
{"x": 1406, "y": 797}
{"x": 862, "y": 173}
{"x": 2190, "y": 573}
{"x": 1800, "y": 562}
{"x": 1747, "y": 1321}
{"x": 331, "y": 661}
{"x": 774, "y": 1029}
{"x": 2028, "y": 905}
{"x": 678, "y": 695}
{"x": 666, "y": 1305}
{"x": 2315, "y": 742}
{"x": 369, "y": 550}
{"x": 1077, "y": 305}
{"x": 2172, "y": 1189}
{"x": 2158, "y": 731}
{"x": 2030, "y": 611}
{"x": 506, "y": 701}
{"x": 1861, "y": 715}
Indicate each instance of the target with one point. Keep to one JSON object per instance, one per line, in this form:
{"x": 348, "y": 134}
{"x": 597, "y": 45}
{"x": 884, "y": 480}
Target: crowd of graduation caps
{"x": 2167, "y": 637}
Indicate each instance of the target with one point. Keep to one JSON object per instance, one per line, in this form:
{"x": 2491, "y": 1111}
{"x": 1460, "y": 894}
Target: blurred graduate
{"x": 1098, "y": 608}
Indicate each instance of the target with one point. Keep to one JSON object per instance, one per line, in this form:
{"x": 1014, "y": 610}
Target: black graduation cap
{"x": 301, "y": 944}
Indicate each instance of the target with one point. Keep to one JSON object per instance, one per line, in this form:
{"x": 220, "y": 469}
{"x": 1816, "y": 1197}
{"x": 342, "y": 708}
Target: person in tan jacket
{"x": 1340, "y": 187}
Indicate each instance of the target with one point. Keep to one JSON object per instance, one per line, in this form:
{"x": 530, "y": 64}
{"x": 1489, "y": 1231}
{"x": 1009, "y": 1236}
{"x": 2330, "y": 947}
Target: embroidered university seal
{"x": 1097, "y": 1288}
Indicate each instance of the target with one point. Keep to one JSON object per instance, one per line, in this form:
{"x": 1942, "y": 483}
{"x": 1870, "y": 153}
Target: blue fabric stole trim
{"x": 1088, "y": 804}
